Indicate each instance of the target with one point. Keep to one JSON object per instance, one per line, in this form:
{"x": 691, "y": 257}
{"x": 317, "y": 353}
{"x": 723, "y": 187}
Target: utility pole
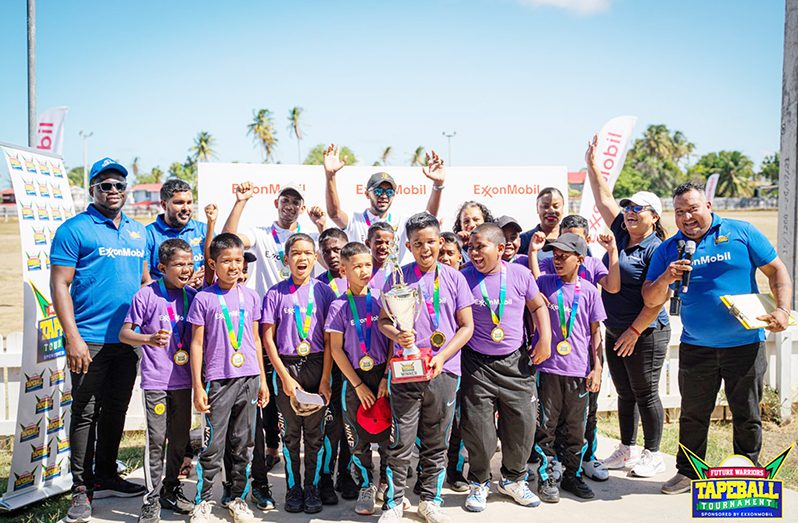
{"x": 449, "y": 137}
{"x": 32, "y": 120}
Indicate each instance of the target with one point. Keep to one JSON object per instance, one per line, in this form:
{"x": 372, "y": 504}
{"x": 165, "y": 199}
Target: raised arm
{"x": 612, "y": 281}
{"x": 332, "y": 164}
{"x": 243, "y": 193}
{"x": 211, "y": 215}
{"x": 434, "y": 171}
{"x": 605, "y": 203}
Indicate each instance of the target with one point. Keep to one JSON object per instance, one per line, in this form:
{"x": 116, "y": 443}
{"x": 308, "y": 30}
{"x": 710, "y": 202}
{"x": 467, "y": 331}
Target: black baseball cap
{"x": 504, "y": 221}
{"x": 377, "y": 178}
{"x": 249, "y": 257}
{"x": 568, "y": 242}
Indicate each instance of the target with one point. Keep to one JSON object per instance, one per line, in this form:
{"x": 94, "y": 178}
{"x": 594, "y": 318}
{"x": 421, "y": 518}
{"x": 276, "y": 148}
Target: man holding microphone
{"x": 714, "y": 345}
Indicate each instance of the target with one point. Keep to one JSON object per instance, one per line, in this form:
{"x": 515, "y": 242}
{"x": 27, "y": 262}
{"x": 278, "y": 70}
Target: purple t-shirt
{"x": 216, "y": 346}
{"x": 521, "y": 259}
{"x": 579, "y": 361}
{"x": 592, "y": 269}
{"x": 521, "y": 287}
{"x": 149, "y": 311}
{"x": 278, "y": 310}
{"x": 337, "y": 285}
{"x": 380, "y": 277}
{"x": 454, "y": 295}
{"x": 340, "y": 319}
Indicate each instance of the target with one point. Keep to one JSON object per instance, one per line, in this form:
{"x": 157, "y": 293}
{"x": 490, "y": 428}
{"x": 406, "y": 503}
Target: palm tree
{"x": 736, "y": 172}
{"x": 293, "y": 126}
{"x": 262, "y": 131}
{"x": 203, "y": 147}
{"x": 418, "y": 157}
{"x": 385, "y": 155}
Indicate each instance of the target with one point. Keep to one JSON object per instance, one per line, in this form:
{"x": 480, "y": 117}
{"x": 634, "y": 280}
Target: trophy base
{"x": 412, "y": 368}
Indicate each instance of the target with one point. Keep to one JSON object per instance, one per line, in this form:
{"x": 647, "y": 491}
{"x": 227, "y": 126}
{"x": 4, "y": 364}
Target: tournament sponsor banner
{"x": 40, "y": 462}
{"x": 50, "y": 130}
{"x": 712, "y": 185}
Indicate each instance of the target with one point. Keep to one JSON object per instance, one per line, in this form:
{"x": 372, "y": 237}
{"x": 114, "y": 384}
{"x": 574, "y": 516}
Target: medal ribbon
{"x": 333, "y": 285}
{"x": 174, "y": 319}
{"x": 303, "y": 324}
{"x": 363, "y": 338}
{"x": 495, "y": 316}
{"x": 434, "y": 305}
{"x": 368, "y": 220}
{"x": 567, "y": 327}
{"x": 280, "y": 250}
{"x": 235, "y": 339}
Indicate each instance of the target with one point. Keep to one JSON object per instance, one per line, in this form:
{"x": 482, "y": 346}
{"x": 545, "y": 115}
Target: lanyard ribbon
{"x": 333, "y": 285}
{"x": 368, "y": 220}
{"x": 433, "y": 305}
{"x": 567, "y": 327}
{"x": 276, "y": 237}
{"x": 303, "y": 324}
{"x": 174, "y": 319}
{"x": 495, "y": 316}
{"x": 235, "y": 339}
{"x": 363, "y": 338}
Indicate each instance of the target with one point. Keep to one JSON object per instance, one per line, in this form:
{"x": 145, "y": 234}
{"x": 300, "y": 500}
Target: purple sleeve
{"x": 597, "y": 268}
{"x": 546, "y": 266}
{"x": 463, "y": 297}
{"x": 256, "y": 309}
{"x": 329, "y": 297}
{"x": 529, "y": 285}
{"x": 196, "y": 312}
{"x": 137, "y": 312}
{"x": 335, "y": 318}
{"x": 271, "y": 304}
{"x": 597, "y": 306}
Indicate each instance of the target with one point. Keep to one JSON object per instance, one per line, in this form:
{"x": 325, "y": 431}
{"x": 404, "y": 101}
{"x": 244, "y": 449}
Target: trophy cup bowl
{"x": 403, "y": 304}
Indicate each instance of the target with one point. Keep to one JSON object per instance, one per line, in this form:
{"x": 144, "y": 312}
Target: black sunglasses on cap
{"x": 110, "y": 186}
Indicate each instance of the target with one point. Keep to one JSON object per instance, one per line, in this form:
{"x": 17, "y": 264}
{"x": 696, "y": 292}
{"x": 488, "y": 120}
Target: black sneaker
{"x": 577, "y": 487}
{"x": 312, "y": 500}
{"x": 456, "y": 481}
{"x": 262, "y": 496}
{"x": 80, "y": 510}
{"x": 227, "y": 493}
{"x": 150, "y": 512}
{"x": 295, "y": 500}
{"x": 327, "y": 490}
{"x": 172, "y": 498}
{"x": 349, "y": 489}
{"x": 116, "y": 487}
{"x": 548, "y": 491}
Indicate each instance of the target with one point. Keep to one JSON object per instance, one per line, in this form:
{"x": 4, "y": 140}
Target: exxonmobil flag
{"x": 50, "y": 130}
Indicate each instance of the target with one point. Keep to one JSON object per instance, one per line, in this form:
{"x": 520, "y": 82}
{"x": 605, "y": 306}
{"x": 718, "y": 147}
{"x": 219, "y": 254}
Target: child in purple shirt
{"x": 512, "y": 240}
{"x": 227, "y": 374}
{"x": 159, "y": 311}
{"x": 293, "y": 334}
{"x": 379, "y": 240}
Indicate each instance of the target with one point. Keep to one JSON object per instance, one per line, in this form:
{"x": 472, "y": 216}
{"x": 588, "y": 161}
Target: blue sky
{"x": 520, "y": 81}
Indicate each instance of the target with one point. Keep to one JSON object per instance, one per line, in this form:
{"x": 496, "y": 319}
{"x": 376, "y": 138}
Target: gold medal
{"x": 366, "y": 363}
{"x": 564, "y": 348}
{"x": 284, "y": 273}
{"x": 437, "y": 339}
{"x": 180, "y": 357}
{"x": 237, "y": 359}
{"x": 303, "y": 349}
{"x": 497, "y": 334}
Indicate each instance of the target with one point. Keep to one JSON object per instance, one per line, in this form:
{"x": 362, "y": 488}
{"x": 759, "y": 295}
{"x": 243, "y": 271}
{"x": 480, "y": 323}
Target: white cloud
{"x": 584, "y": 7}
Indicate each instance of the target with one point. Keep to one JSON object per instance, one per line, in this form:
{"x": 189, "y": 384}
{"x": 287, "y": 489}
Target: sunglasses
{"x": 637, "y": 209}
{"x": 379, "y": 191}
{"x": 110, "y": 186}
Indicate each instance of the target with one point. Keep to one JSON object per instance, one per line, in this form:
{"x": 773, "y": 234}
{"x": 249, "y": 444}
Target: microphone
{"x": 676, "y": 300}
{"x": 689, "y": 251}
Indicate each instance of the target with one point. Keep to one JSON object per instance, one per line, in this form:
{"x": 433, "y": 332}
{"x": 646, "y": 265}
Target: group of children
{"x": 515, "y": 350}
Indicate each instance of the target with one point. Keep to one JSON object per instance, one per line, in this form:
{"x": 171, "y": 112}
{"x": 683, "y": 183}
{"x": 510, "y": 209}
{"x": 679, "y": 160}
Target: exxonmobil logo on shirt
{"x": 113, "y": 252}
{"x": 703, "y": 260}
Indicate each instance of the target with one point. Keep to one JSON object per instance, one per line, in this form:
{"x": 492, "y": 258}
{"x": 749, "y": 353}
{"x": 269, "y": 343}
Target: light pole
{"x": 32, "y": 73}
{"x": 449, "y": 137}
{"x": 85, "y": 136}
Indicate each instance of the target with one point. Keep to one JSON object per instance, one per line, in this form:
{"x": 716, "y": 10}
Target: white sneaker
{"x": 432, "y": 512}
{"x": 392, "y": 514}
{"x": 556, "y": 471}
{"x": 202, "y": 512}
{"x": 477, "y": 498}
{"x": 623, "y": 456}
{"x": 650, "y": 464}
{"x": 595, "y": 470}
{"x": 519, "y": 491}
{"x": 240, "y": 511}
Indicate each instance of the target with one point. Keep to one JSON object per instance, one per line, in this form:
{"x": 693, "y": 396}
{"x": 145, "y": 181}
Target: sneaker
{"x": 347, "y": 487}
{"x": 548, "y": 491}
{"x": 295, "y": 500}
{"x": 201, "y": 513}
{"x": 116, "y": 487}
{"x": 80, "y": 510}
{"x": 366, "y": 500}
{"x": 477, "y": 498}
{"x": 227, "y": 494}
{"x": 623, "y": 456}
{"x": 595, "y": 470}
{"x": 577, "y": 487}
{"x": 417, "y": 487}
{"x": 432, "y": 512}
{"x": 457, "y": 482}
{"x": 650, "y": 464}
{"x": 240, "y": 511}
{"x": 262, "y": 496}
{"x": 172, "y": 498}
{"x": 392, "y": 514}
{"x": 678, "y": 484}
{"x": 519, "y": 491}
{"x": 312, "y": 500}
{"x": 327, "y": 490}
{"x": 556, "y": 470}
{"x": 150, "y": 512}
{"x": 381, "y": 490}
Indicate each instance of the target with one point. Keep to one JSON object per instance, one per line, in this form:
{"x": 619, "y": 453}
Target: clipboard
{"x": 748, "y": 307}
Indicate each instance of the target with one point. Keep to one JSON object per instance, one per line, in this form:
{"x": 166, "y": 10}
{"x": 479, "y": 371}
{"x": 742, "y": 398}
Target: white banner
{"x": 40, "y": 463}
{"x": 610, "y": 154}
{"x": 50, "y": 130}
{"x": 712, "y": 185}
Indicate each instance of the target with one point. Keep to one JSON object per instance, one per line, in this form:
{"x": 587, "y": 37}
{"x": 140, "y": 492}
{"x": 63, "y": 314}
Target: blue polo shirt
{"x": 624, "y": 306}
{"x": 725, "y": 262}
{"x": 108, "y": 265}
{"x": 159, "y": 231}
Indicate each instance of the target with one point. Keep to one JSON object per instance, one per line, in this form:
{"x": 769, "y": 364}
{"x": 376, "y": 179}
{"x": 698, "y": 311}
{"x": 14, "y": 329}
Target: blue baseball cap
{"x": 106, "y": 164}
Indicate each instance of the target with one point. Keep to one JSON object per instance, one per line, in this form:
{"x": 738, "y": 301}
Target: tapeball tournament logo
{"x": 34, "y": 382}
{"x": 57, "y": 376}
{"x": 44, "y": 190}
{"x": 25, "y": 479}
{"x": 66, "y": 398}
{"x": 27, "y": 212}
{"x": 14, "y": 161}
{"x": 43, "y": 169}
{"x": 55, "y": 424}
{"x": 737, "y": 488}
{"x": 63, "y": 444}
{"x": 52, "y": 472}
{"x": 29, "y": 432}
{"x": 44, "y": 404}
{"x": 40, "y": 453}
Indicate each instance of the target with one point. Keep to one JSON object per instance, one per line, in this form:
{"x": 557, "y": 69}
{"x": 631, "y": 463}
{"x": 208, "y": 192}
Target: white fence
{"x": 782, "y": 352}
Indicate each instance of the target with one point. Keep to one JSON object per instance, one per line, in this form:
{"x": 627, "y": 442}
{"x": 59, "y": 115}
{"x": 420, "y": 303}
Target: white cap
{"x": 644, "y": 198}
{"x": 292, "y": 186}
